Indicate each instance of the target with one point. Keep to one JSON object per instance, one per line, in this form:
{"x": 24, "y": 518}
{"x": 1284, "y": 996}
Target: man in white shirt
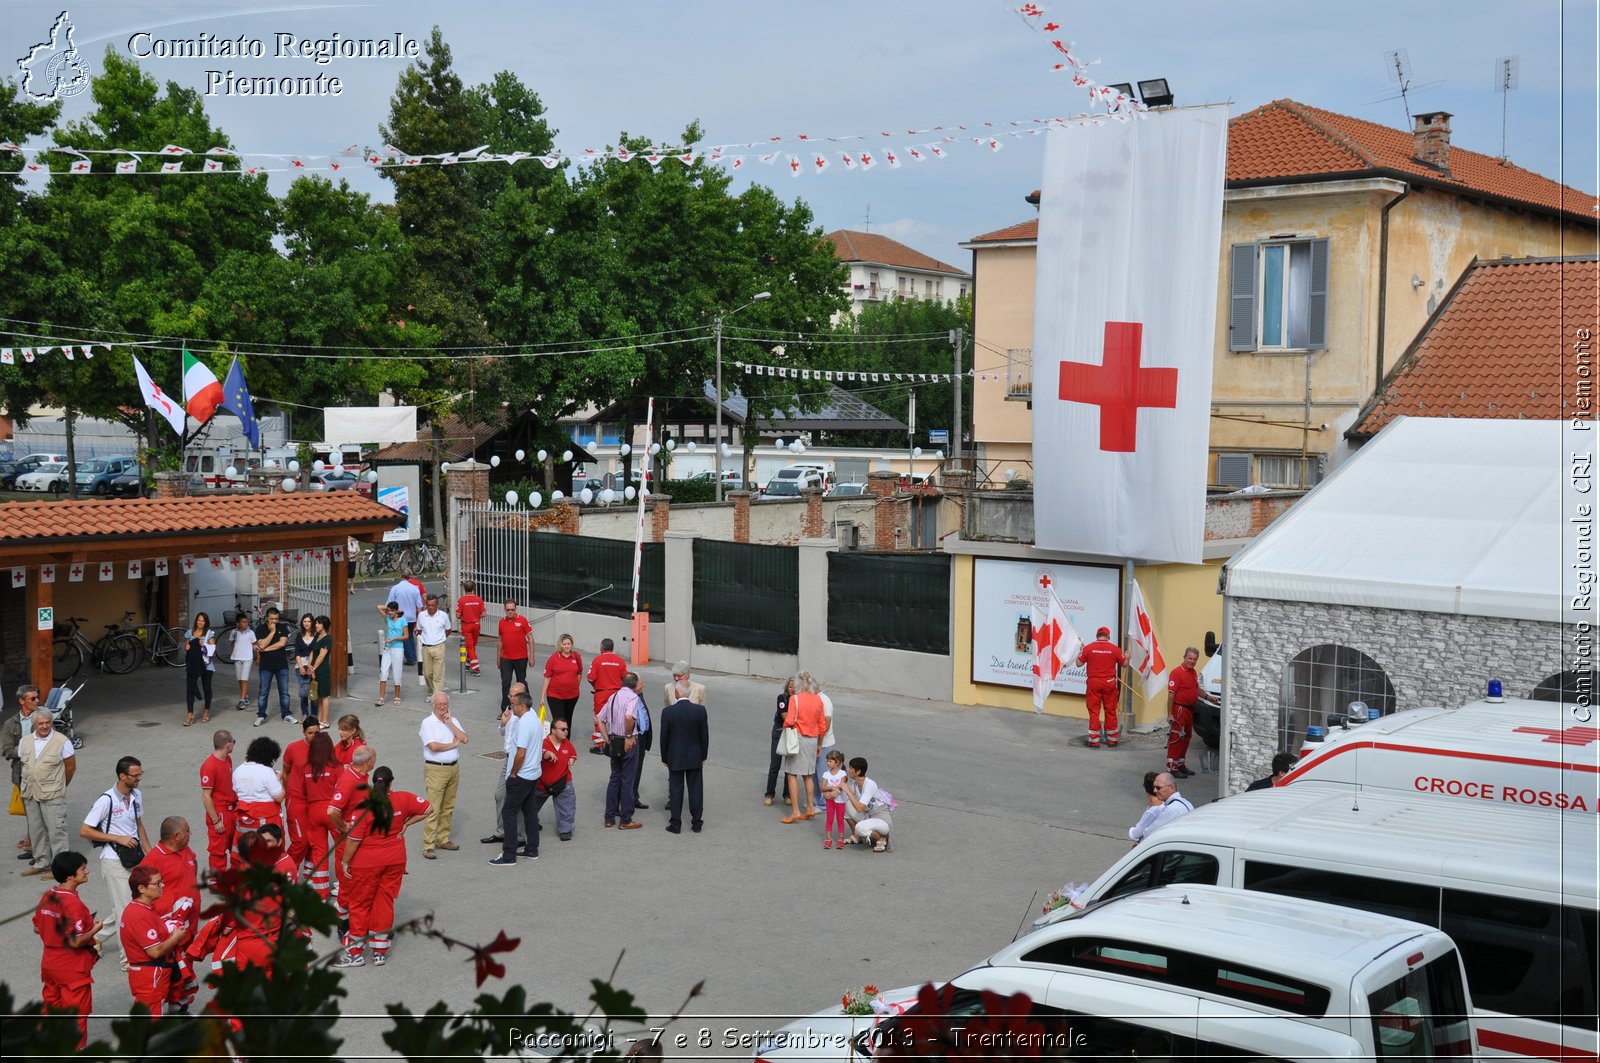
{"x": 1173, "y": 805}
{"x": 442, "y": 739}
{"x": 115, "y": 823}
{"x": 433, "y": 627}
{"x": 508, "y": 736}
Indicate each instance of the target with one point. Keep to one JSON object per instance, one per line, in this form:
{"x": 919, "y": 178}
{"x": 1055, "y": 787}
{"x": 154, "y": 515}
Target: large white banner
{"x": 1130, "y": 232}
{"x": 1003, "y": 596}
{"x": 369, "y": 424}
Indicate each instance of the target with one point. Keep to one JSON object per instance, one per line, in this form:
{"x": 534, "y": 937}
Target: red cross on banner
{"x": 75, "y": 574}
{"x": 1120, "y": 386}
{"x": 105, "y": 570}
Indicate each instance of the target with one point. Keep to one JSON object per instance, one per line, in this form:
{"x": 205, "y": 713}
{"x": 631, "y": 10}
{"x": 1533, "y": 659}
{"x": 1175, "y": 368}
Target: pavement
{"x": 996, "y": 809}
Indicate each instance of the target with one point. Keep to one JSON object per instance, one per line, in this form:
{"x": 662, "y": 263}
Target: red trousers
{"x": 1180, "y": 728}
{"x": 370, "y": 893}
{"x": 469, "y": 638}
{"x": 1102, "y": 694}
{"x": 74, "y": 994}
{"x": 151, "y": 985}
{"x": 253, "y": 815}
{"x": 219, "y": 843}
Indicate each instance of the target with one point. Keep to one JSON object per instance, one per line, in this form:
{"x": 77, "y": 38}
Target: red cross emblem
{"x": 1043, "y": 581}
{"x": 1572, "y": 736}
{"x": 105, "y": 571}
{"x": 77, "y": 571}
{"x": 1120, "y": 386}
{"x": 155, "y": 393}
{"x": 794, "y": 165}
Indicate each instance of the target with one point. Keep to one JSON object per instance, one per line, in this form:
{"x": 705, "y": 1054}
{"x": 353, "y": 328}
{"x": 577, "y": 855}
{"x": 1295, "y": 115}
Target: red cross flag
{"x": 161, "y": 566}
{"x": 1130, "y": 220}
{"x": 19, "y": 577}
{"x": 1144, "y": 649}
{"x": 187, "y": 564}
{"x": 135, "y": 569}
{"x": 106, "y": 570}
{"x": 75, "y": 574}
{"x": 1055, "y": 644}
{"x": 47, "y": 573}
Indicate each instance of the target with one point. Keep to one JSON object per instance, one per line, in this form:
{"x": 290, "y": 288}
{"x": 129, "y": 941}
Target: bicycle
{"x": 165, "y": 646}
{"x": 117, "y": 652}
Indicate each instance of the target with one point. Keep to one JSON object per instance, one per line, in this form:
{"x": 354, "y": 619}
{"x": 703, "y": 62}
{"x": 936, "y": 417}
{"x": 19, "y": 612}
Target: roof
{"x": 852, "y": 246}
{"x": 101, "y": 527}
{"x": 1488, "y": 350}
{"x": 841, "y": 411}
{"x": 461, "y": 439}
{"x": 1287, "y": 140}
{"x": 1440, "y": 515}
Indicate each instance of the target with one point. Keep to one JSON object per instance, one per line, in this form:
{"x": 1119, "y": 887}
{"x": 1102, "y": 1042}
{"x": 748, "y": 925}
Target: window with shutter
{"x": 1242, "y": 299}
{"x": 1233, "y": 470}
{"x": 1278, "y": 296}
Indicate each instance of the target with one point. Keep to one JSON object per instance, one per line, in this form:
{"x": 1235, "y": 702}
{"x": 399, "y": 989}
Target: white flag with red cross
{"x": 161, "y": 566}
{"x": 75, "y": 572}
{"x": 107, "y": 570}
{"x": 1144, "y": 649}
{"x": 135, "y": 569}
{"x": 19, "y": 577}
{"x": 47, "y": 573}
{"x": 1130, "y": 220}
{"x": 187, "y": 563}
{"x": 1055, "y": 646}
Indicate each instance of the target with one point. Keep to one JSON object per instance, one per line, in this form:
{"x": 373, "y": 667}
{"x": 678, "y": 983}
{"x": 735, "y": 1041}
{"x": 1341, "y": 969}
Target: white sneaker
{"x": 260, "y": 720}
{"x": 348, "y": 960}
{"x": 379, "y": 959}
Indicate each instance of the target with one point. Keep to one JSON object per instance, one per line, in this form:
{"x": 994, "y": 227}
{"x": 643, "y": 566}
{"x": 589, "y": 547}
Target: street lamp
{"x": 754, "y": 299}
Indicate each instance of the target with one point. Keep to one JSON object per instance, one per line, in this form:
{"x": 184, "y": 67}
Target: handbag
{"x": 313, "y": 693}
{"x": 16, "y": 802}
{"x": 788, "y": 742}
{"x": 130, "y": 856}
{"x": 552, "y": 790}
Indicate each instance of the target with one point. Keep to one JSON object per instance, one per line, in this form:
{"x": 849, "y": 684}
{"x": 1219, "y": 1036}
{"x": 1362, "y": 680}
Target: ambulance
{"x": 1511, "y": 753}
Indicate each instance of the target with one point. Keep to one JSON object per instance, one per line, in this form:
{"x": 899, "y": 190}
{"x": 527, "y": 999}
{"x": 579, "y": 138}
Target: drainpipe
{"x": 1383, "y": 278}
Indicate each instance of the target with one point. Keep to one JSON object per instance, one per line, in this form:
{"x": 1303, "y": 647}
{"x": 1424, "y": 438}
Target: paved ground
{"x": 997, "y": 808}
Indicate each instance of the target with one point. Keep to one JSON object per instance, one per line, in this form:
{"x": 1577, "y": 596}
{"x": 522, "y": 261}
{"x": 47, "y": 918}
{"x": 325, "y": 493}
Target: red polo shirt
{"x": 1185, "y": 686}
{"x": 216, "y": 775}
{"x": 515, "y": 633}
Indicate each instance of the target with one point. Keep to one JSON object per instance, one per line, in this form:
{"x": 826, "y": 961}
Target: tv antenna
{"x": 1505, "y": 80}
{"x": 1398, "y": 65}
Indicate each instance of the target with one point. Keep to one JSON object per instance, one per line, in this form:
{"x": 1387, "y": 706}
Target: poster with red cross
{"x": 1130, "y": 220}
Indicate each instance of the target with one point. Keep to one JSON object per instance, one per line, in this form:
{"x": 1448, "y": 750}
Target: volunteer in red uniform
{"x": 1102, "y": 658}
{"x": 218, "y": 799}
{"x": 67, "y": 928}
{"x": 469, "y": 618}
{"x": 516, "y": 646}
{"x": 1183, "y": 690}
{"x": 180, "y": 899}
{"x": 318, "y": 776}
{"x": 351, "y": 738}
{"x": 563, "y": 671}
{"x": 257, "y": 788}
{"x": 292, "y": 771}
{"x": 605, "y": 679}
{"x": 374, "y": 856}
{"x": 147, "y": 940}
{"x": 348, "y": 792}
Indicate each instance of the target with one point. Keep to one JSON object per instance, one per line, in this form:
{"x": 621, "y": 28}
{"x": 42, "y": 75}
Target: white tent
{"x": 1453, "y": 515}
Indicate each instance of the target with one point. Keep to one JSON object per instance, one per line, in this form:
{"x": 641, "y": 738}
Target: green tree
{"x": 875, "y": 348}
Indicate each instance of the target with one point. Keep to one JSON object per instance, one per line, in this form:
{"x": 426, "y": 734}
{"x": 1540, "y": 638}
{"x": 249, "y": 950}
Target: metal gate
{"x": 306, "y": 587}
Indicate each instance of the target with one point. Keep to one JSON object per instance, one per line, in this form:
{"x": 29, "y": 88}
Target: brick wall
{"x": 1429, "y": 658}
{"x": 741, "y": 515}
{"x": 660, "y": 517}
{"x": 811, "y": 520}
{"x": 885, "y": 517}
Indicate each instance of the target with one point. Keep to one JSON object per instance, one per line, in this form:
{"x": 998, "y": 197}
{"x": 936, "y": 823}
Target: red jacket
{"x": 1103, "y": 657}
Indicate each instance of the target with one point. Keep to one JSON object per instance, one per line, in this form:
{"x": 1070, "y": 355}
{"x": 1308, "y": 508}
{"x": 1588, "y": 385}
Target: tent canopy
{"x": 1438, "y": 515}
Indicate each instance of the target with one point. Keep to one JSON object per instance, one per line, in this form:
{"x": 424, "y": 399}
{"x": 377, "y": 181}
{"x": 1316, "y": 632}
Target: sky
{"x": 752, "y": 71}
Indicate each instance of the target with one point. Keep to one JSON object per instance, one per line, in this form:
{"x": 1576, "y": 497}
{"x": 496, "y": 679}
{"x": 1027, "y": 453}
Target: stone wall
{"x": 1429, "y": 658}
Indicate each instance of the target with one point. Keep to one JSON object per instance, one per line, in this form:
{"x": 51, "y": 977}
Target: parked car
{"x": 332, "y": 481}
{"x": 31, "y": 463}
{"x": 129, "y": 483}
{"x": 9, "y": 471}
{"x": 848, "y": 491}
{"x": 788, "y": 483}
{"x": 51, "y": 476}
{"x": 95, "y": 475}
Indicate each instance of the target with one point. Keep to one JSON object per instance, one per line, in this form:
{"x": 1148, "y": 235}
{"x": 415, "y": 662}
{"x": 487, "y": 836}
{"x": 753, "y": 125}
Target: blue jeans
{"x": 267, "y": 676}
{"x": 410, "y": 643}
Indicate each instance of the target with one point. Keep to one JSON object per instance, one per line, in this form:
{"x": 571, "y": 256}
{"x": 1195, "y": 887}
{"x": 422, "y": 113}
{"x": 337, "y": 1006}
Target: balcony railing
{"x": 1019, "y": 374}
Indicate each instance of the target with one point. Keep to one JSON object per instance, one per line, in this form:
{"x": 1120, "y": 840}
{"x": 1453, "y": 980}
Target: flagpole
{"x": 1125, "y": 695}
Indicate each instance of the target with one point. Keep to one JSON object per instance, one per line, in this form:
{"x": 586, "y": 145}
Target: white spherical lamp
{"x": 289, "y": 484}
{"x": 566, "y": 455}
{"x": 294, "y": 466}
{"x": 624, "y": 450}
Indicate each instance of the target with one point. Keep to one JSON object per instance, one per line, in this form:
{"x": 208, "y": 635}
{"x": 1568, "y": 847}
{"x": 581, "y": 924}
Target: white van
{"x": 1513, "y": 752}
{"x": 1514, "y": 887}
{"x": 1191, "y": 972}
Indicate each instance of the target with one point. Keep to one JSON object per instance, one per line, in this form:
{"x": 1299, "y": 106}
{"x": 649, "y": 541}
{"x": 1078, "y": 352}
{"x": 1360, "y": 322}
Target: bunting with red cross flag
{"x": 1130, "y": 222}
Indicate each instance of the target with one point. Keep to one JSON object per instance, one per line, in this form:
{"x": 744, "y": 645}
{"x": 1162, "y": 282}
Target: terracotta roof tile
{"x": 120, "y": 518}
{"x": 852, "y": 246}
{"x": 1495, "y": 348}
{"x": 1285, "y": 139}
{"x": 1289, "y": 139}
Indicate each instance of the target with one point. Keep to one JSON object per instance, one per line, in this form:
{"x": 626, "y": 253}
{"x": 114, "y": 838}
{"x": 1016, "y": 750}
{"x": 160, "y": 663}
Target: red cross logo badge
{"x": 1120, "y": 386}
{"x": 1571, "y": 736}
{"x": 105, "y": 571}
{"x": 77, "y": 573}
{"x": 1043, "y": 580}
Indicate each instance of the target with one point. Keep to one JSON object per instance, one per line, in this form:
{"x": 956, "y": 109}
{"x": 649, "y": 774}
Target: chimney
{"x": 1431, "y": 140}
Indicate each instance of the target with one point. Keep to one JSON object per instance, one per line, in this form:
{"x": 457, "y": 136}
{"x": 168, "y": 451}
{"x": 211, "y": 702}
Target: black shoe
{"x": 696, "y": 827}
{"x": 525, "y": 853}
{"x": 493, "y": 839}
{"x": 1182, "y": 773}
{"x": 674, "y": 829}
{"x": 503, "y": 861}
{"x": 565, "y": 837}
{"x": 640, "y": 804}
{"x": 26, "y": 854}
{"x": 598, "y": 749}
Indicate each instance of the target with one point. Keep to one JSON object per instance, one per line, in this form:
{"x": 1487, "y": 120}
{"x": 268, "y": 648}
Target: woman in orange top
{"x": 806, "y": 716}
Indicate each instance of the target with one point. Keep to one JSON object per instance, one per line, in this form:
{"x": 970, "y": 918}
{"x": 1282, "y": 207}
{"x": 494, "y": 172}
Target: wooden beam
{"x": 39, "y": 595}
{"x": 339, "y": 614}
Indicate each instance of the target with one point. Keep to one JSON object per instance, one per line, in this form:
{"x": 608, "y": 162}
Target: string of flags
{"x": 1037, "y": 18}
{"x": 71, "y": 351}
{"x": 170, "y": 160}
{"x": 860, "y": 376}
{"x": 106, "y": 571}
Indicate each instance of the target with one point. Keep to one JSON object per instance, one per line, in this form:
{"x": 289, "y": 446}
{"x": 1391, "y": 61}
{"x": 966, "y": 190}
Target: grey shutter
{"x": 1242, "y": 298}
{"x": 1317, "y": 309}
{"x": 1233, "y": 470}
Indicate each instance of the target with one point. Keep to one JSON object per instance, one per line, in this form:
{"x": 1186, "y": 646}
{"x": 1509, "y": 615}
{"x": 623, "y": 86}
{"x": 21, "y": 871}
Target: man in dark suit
{"x": 685, "y": 742}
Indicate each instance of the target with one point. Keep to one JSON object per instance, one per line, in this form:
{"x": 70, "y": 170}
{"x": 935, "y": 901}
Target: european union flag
{"x": 236, "y": 400}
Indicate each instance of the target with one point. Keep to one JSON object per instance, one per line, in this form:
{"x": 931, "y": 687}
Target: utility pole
{"x": 958, "y": 339}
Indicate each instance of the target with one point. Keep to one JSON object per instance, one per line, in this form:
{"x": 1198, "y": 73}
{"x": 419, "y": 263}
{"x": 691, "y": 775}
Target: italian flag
{"x": 201, "y": 392}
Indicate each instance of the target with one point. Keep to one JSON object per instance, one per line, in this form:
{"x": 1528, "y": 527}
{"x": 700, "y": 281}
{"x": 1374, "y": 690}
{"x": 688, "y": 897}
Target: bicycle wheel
{"x": 65, "y": 660}
{"x": 122, "y": 654}
{"x": 168, "y": 650}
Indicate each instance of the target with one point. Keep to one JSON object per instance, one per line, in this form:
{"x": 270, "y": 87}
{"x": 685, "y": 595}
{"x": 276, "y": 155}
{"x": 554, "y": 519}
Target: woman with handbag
{"x": 305, "y": 645}
{"x": 776, "y": 759}
{"x": 199, "y": 649}
{"x": 803, "y": 727}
